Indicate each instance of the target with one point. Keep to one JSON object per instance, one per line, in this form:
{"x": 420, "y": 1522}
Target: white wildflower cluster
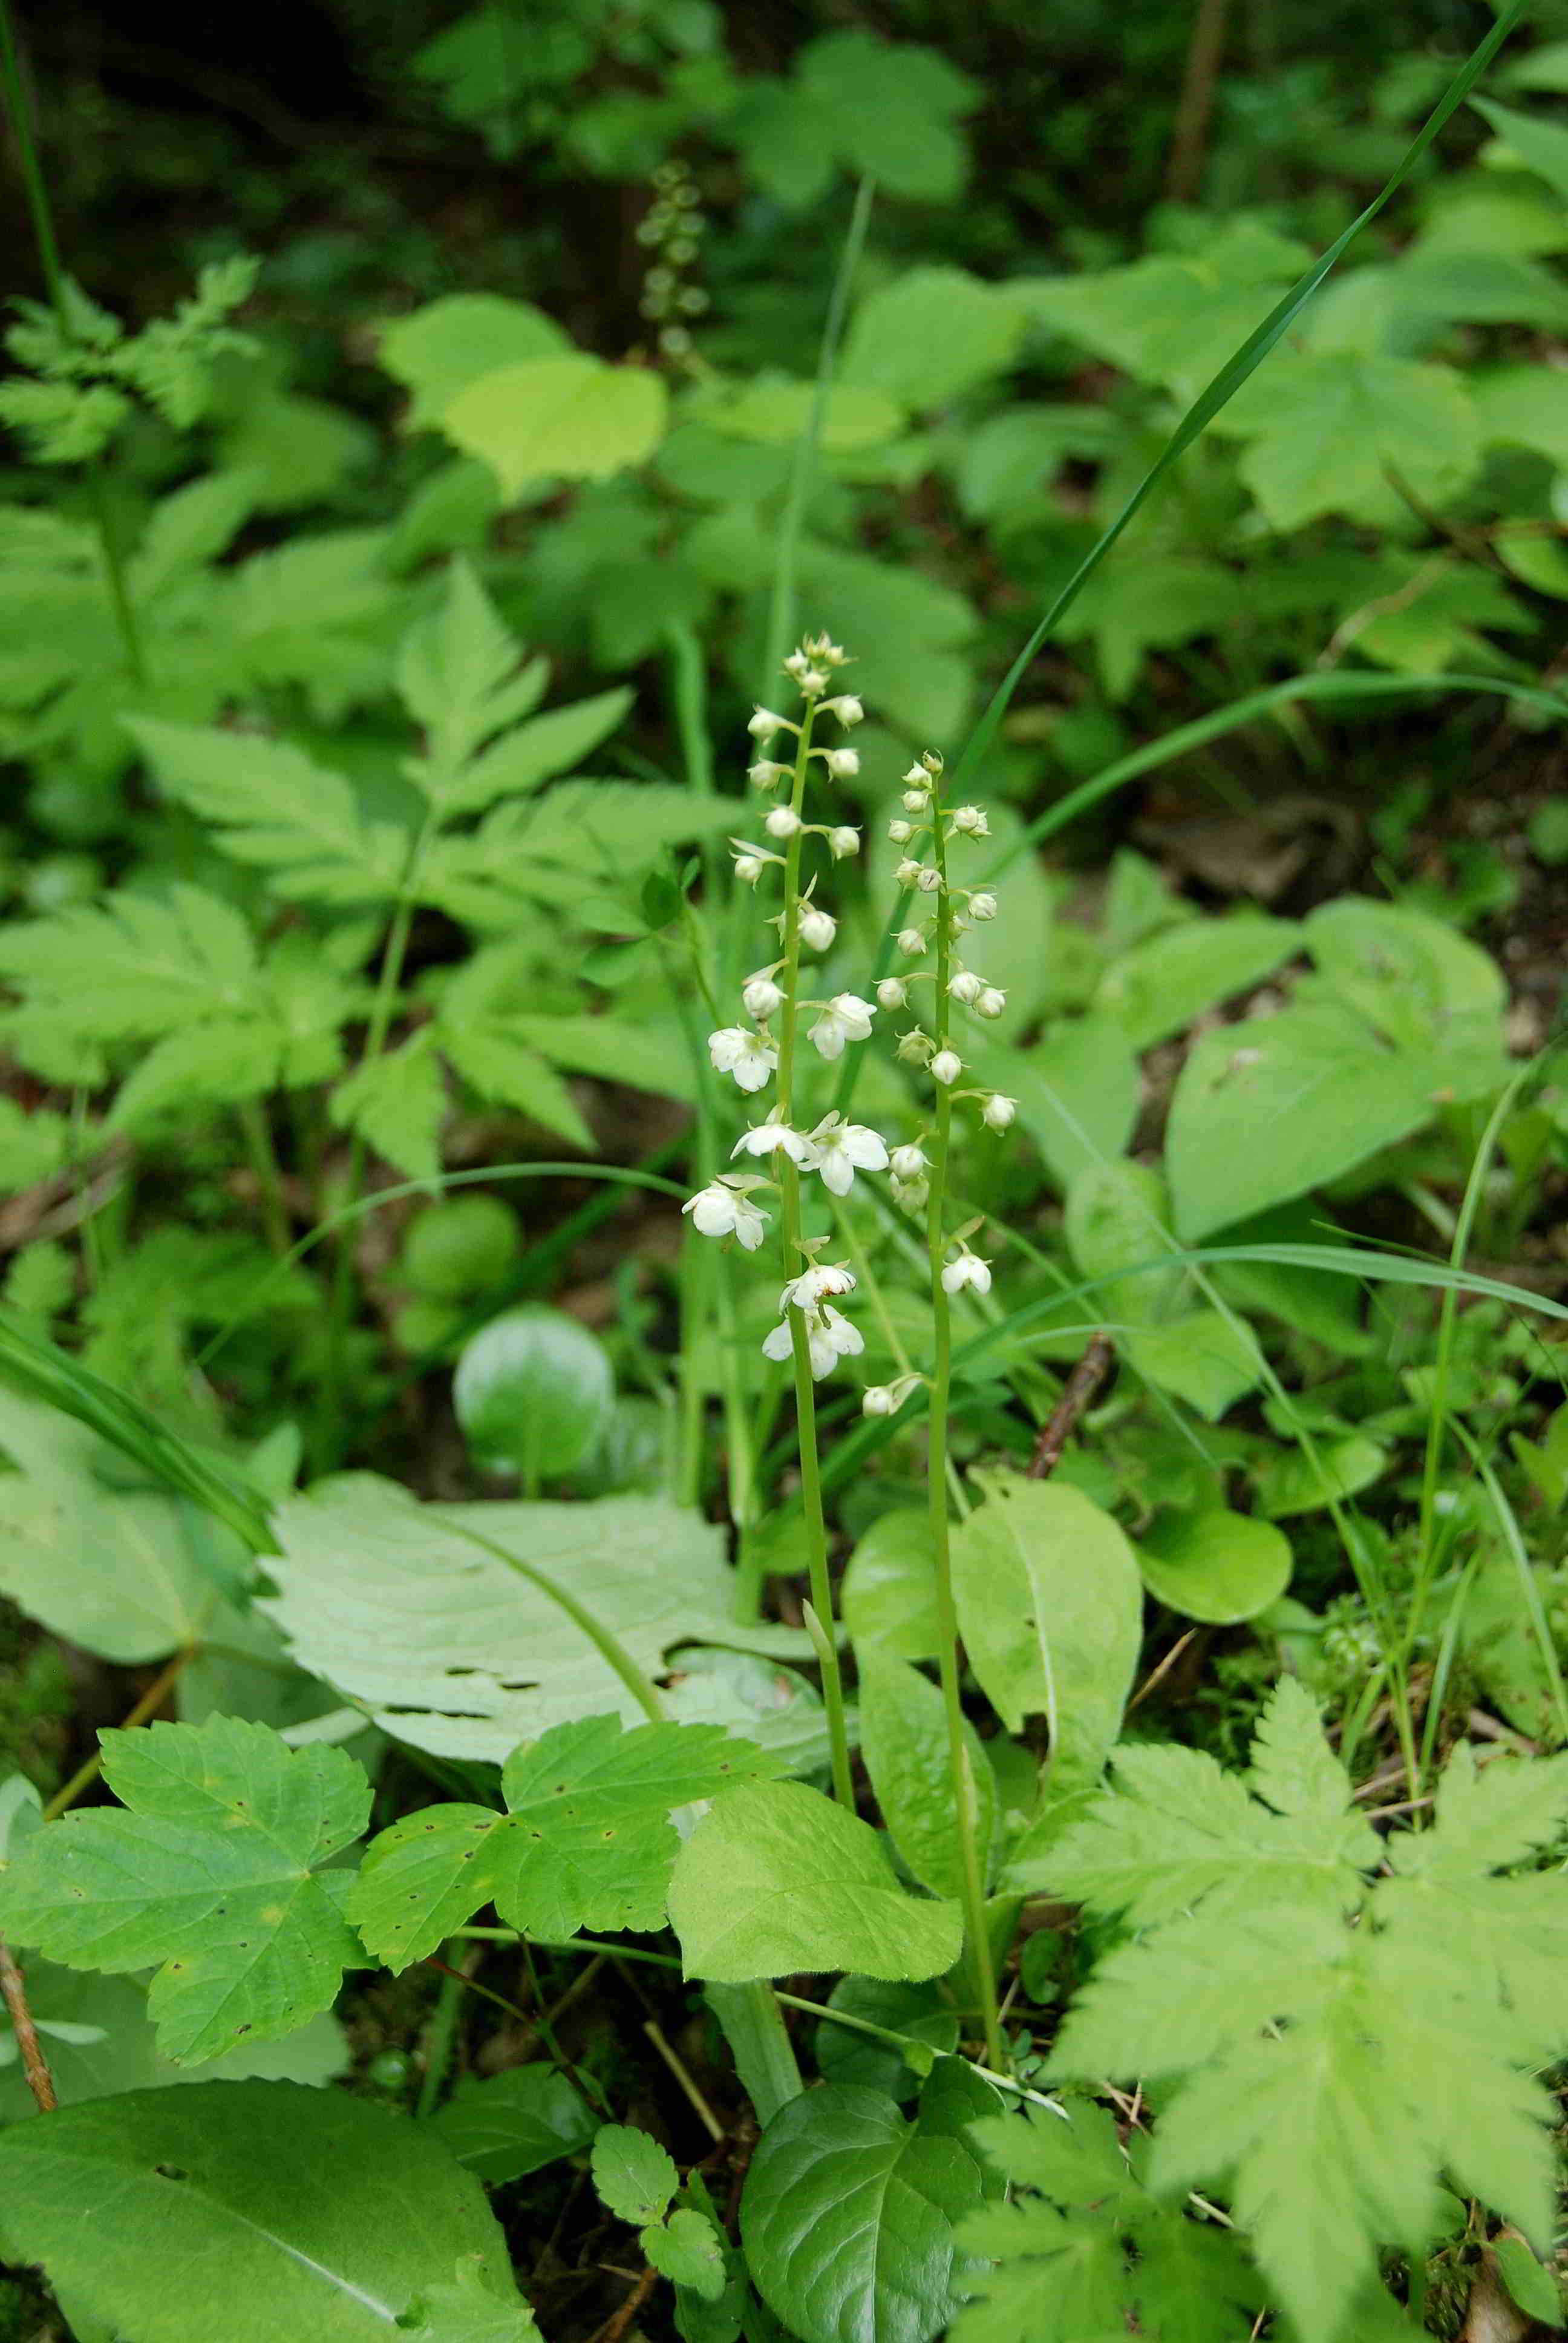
{"x": 834, "y": 1150}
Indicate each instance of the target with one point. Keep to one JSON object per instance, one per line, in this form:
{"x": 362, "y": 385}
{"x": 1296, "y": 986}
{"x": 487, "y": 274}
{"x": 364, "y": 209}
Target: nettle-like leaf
{"x": 1083, "y": 2249}
{"x": 586, "y": 1842}
{"x": 637, "y": 2181}
{"x": 210, "y": 1872}
{"x": 1301, "y": 2025}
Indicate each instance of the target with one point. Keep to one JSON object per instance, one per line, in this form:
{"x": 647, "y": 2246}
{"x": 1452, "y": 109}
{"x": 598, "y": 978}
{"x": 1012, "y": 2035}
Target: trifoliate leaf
{"x": 256, "y": 2210}
{"x": 209, "y": 1872}
{"x": 636, "y": 2178}
{"x": 778, "y": 1877}
{"x": 586, "y": 1842}
{"x": 274, "y": 807}
{"x": 848, "y": 2219}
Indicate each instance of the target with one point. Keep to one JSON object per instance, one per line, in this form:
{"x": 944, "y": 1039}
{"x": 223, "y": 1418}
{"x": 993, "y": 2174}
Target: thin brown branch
{"x": 616, "y": 2324}
{"x": 35, "y": 2066}
{"x": 151, "y": 1700}
{"x": 1205, "y": 51}
{"x": 1070, "y": 1410}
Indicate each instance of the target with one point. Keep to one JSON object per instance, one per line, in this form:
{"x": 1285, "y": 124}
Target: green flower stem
{"x": 937, "y": 1471}
{"x": 794, "y": 1262}
{"x": 867, "y": 1276}
{"x": 262, "y": 1157}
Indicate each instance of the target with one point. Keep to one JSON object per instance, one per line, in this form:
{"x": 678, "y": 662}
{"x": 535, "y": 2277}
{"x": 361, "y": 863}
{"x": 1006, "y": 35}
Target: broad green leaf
{"x": 636, "y": 2178}
{"x": 919, "y": 2011}
{"x": 110, "y": 1568}
{"x": 1116, "y": 1220}
{"x": 1519, "y": 406}
{"x": 1077, "y": 1090}
{"x": 461, "y": 1246}
{"x": 274, "y": 807}
{"x": 438, "y": 350}
{"x": 1161, "y": 985}
{"x": 1327, "y": 1308}
{"x": 456, "y": 1650}
{"x": 100, "y": 2040}
{"x": 209, "y": 1873}
{"x": 586, "y": 1840}
{"x": 570, "y": 418}
{"x": 1265, "y": 1110}
{"x": 890, "y": 1594}
{"x": 778, "y": 1878}
{"x": 1204, "y": 1357}
{"x": 256, "y": 2210}
{"x": 1217, "y": 1566}
{"x": 532, "y": 1392}
{"x": 778, "y": 413}
{"x": 1412, "y": 976}
{"x": 1166, "y": 599}
{"x": 1327, "y": 428}
{"x": 509, "y": 2124}
{"x": 909, "y": 143}
{"x": 848, "y": 2218}
{"x": 1011, "y": 462}
{"x": 930, "y": 335}
{"x": 904, "y": 1742}
{"x": 1050, "y": 1609}
{"x": 1540, "y": 144}
{"x": 686, "y": 2249}
{"x": 397, "y": 1103}
{"x": 1500, "y": 1643}
{"x": 1533, "y": 2288}
{"x": 1292, "y": 1481}
{"x": 757, "y": 1701}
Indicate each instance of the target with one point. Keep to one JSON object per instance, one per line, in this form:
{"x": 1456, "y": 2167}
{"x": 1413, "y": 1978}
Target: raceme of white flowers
{"x": 835, "y": 1150}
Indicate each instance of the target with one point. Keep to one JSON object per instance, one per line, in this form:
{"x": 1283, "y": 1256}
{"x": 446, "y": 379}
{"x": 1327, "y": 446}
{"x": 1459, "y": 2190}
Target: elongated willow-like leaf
{"x": 1224, "y": 387}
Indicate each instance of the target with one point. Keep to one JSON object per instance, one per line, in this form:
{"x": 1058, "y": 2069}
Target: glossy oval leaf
{"x": 1217, "y": 1566}
{"x": 889, "y": 1596}
{"x": 504, "y": 2126}
{"x": 848, "y": 2219}
{"x": 262, "y": 2212}
{"x": 533, "y": 1392}
{"x": 778, "y": 1878}
{"x": 904, "y": 1742}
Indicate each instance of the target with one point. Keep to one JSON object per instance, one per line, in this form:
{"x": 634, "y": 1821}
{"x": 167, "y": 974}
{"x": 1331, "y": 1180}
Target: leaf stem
{"x": 794, "y": 1262}
{"x": 258, "y": 1147}
{"x": 936, "y": 1471}
{"x": 35, "y": 2066}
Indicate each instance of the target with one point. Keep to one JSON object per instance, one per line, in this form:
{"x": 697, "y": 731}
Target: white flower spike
{"x": 845, "y": 1147}
{"x": 829, "y": 1337}
{"x": 751, "y": 1057}
{"x": 846, "y": 1018}
{"x": 724, "y": 1208}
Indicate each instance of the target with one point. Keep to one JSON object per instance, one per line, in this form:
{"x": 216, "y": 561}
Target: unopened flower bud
{"x": 748, "y": 869}
{"x": 917, "y": 777}
{"x": 946, "y": 1067}
{"x": 992, "y": 1001}
{"x": 818, "y": 929}
{"x": 970, "y": 822}
{"x": 762, "y": 995}
{"x": 914, "y": 1047}
{"x": 998, "y": 1111}
{"x": 843, "y": 840}
{"x": 766, "y": 774}
{"x": 845, "y": 708}
{"x": 966, "y": 986}
{"x": 929, "y": 879}
{"x": 892, "y": 992}
{"x": 907, "y": 1162}
{"x": 908, "y": 871}
{"x": 900, "y": 832}
{"x": 914, "y": 801}
{"x": 877, "y": 1400}
{"x": 764, "y": 724}
{"x": 982, "y": 906}
{"x": 931, "y": 759}
{"x": 782, "y": 822}
{"x": 914, "y": 1195}
{"x": 842, "y": 764}
{"x": 912, "y": 942}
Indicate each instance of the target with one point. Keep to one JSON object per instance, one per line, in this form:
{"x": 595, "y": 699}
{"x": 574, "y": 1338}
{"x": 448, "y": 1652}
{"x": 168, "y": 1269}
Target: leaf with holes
{"x": 587, "y": 1842}
{"x": 210, "y": 1872}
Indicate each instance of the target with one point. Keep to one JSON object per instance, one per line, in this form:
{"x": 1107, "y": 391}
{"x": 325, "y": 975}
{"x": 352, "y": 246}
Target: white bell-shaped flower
{"x": 783, "y": 822}
{"x": 761, "y": 996}
{"x": 892, "y": 992}
{"x": 907, "y": 1162}
{"x": 998, "y": 1111}
{"x": 970, "y": 821}
{"x": 845, "y": 708}
{"x": 900, "y": 832}
{"x": 823, "y": 1281}
{"x": 766, "y": 774}
{"x": 990, "y": 1000}
{"x": 842, "y": 764}
{"x": 968, "y": 1270}
{"x": 946, "y": 1067}
{"x": 724, "y": 1208}
{"x": 846, "y": 1018}
{"x": 751, "y": 1057}
{"x": 966, "y": 986}
{"x": 929, "y": 879}
{"x": 829, "y": 1337}
{"x": 818, "y": 928}
{"x": 764, "y": 723}
{"x": 845, "y": 1147}
{"x": 843, "y": 840}
{"x": 775, "y": 1137}
{"x": 912, "y": 942}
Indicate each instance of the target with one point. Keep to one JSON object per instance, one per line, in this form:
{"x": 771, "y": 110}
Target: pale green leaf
{"x": 138, "y": 966}
{"x": 636, "y": 2178}
{"x": 535, "y": 752}
{"x": 848, "y": 2219}
{"x": 256, "y": 2210}
{"x": 397, "y": 1103}
{"x": 1161, "y": 985}
{"x": 1327, "y": 428}
{"x": 777, "y": 413}
{"x": 889, "y": 1592}
{"x": 438, "y": 350}
{"x": 1115, "y": 1220}
{"x": 209, "y": 1873}
{"x": 1050, "y": 1609}
{"x": 502, "y": 1067}
{"x": 33, "y": 1145}
{"x": 1541, "y": 146}
{"x": 1217, "y": 1566}
{"x": 778, "y": 1878}
{"x": 454, "y": 1650}
{"x": 930, "y": 335}
{"x": 570, "y": 418}
{"x": 533, "y": 1392}
{"x": 1521, "y": 406}
{"x": 686, "y": 2249}
{"x": 586, "y": 1840}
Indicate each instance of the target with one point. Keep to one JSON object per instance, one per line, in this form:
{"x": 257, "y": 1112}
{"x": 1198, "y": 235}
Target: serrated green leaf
{"x": 1077, "y": 1088}
{"x": 778, "y": 1878}
{"x": 138, "y": 966}
{"x": 568, "y": 417}
{"x": 636, "y": 2178}
{"x": 848, "y": 2219}
{"x": 209, "y": 1873}
{"x": 930, "y": 335}
{"x": 256, "y": 2210}
{"x": 586, "y": 1842}
{"x": 34, "y": 1144}
{"x": 686, "y": 2249}
{"x": 216, "y": 1064}
{"x": 398, "y": 1103}
{"x": 501, "y": 1067}
{"x": 274, "y": 807}
{"x": 1326, "y": 428}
